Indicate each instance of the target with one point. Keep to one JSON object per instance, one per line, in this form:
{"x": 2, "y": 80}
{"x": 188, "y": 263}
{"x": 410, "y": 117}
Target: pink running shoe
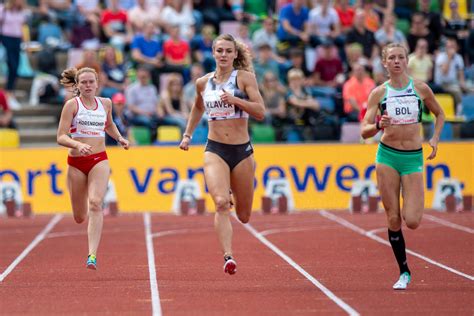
{"x": 230, "y": 266}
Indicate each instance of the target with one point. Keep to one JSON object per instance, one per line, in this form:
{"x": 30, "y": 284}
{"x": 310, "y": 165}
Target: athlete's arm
{"x": 369, "y": 126}
{"x": 62, "y": 136}
{"x": 196, "y": 113}
{"x": 254, "y": 106}
{"x": 110, "y": 127}
{"x": 429, "y": 99}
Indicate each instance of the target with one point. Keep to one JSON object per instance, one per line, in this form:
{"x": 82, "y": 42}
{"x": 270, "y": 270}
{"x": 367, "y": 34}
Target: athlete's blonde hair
{"x": 244, "y": 59}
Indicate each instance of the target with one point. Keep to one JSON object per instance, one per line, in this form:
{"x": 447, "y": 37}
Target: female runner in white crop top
{"x": 228, "y": 95}
{"x": 84, "y": 121}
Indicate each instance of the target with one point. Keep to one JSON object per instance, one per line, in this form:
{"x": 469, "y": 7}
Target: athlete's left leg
{"x": 242, "y": 185}
{"x": 413, "y": 199}
{"x": 97, "y": 187}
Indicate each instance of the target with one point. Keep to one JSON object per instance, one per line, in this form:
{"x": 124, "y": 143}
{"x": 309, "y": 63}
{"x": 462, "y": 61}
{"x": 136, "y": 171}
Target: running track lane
{"x": 53, "y": 279}
{"x": 191, "y": 280}
{"x": 446, "y": 245}
{"x": 362, "y": 271}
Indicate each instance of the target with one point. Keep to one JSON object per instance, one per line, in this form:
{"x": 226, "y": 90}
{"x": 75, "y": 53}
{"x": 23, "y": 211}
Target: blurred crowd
{"x": 316, "y": 61}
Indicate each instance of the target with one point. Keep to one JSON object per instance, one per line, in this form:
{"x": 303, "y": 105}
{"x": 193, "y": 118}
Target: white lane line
{"x": 179, "y": 231}
{"x": 31, "y": 246}
{"x": 65, "y": 234}
{"x": 377, "y": 230}
{"x": 298, "y": 268}
{"x": 155, "y": 295}
{"x": 372, "y": 236}
{"x": 284, "y": 230}
{"x": 449, "y": 224}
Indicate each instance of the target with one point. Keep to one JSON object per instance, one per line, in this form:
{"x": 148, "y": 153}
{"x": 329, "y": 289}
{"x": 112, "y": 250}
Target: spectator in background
{"x": 89, "y": 59}
{"x": 456, "y": 26}
{"x": 13, "y": 15}
{"x": 388, "y": 33}
{"x": 266, "y": 35}
{"x": 177, "y": 52}
{"x": 88, "y": 12}
{"x": 120, "y": 118}
{"x": 449, "y": 72}
{"x": 45, "y": 86}
{"x": 359, "y": 34}
{"x": 328, "y": 67}
{"x": 264, "y": 62}
{"x": 112, "y": 75}
{"x": 324, "y": 23}
{"x": 142, "y": 13}
{"x": 273, "y": 94}
{"x": 296, "y": 61}
{"x": 201, "y": 47}
{"x": 123, "y": 4}
{"x": 189, "y": 90}
{"x": 216, "y": 11}
{"x": 180, "y": 12}
{"x": 419, "y": 29}
{"x": 6, "y": 114}
{"x": 172, "y": 109}
{"x": 142, "y": 102}
{"x": 355, "y": 93}
{"x": 371, "y": 16}
{"x": 420, "y": 63}
{"x": 293, "y": 29}
{"x": 115, "y": 25}
{"x": 62, "y": 11}
{"x": 302, "y": 106}
{"x": 346, "y": 14}
{"x": 434, "y": 20}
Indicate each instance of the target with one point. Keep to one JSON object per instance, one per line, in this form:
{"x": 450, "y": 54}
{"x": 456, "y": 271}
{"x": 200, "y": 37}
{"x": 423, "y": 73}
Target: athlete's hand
{"x": 184, "y": 145}
{"x": 385, "y": 120}
{"x": 84, "y": 149}
{"x": 124, "y": 143}
{"x": 227, "y": 98}
{"x": 434, "y": 148}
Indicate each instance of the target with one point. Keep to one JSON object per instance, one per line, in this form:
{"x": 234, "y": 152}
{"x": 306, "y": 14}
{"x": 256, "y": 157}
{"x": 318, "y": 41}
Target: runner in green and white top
{"x": 399, "y": 160}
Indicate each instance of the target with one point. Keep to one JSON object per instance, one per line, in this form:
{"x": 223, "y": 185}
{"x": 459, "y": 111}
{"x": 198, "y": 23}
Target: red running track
{"x": 309, "y": 263}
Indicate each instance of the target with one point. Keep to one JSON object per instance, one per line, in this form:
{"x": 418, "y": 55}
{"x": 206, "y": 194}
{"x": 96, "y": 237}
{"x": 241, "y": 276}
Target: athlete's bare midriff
{"x": 404, "y": 137}
{"x": 234, "y": 131}
{"x": 97, "y": 144}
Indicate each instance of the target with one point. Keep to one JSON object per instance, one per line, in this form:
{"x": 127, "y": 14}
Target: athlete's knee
{"x": 394, "y": 222}
{"x": 79, "y": 218}
{"x": 243, "y": 217}
{"x": 222, "y": 203}
{"x": 412, "y": 221}
{"x": 95, "y": 204}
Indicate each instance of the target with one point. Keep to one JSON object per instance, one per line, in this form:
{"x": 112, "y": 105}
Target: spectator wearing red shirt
{"x": 177, "y": 52}
{"x": 328, "y": 67}
{"x": 355, "y": 93}
{"x": 6, "y": 115}
{"x": 114, "y": 22}
{"x": 345, "y": 13}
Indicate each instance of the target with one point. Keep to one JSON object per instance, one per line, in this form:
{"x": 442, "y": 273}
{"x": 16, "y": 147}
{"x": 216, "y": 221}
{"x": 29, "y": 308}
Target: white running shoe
{"x": 402, "y": 282}
{"x": 230, "y": 266}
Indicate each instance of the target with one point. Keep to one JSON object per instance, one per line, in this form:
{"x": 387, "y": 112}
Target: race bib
{"x": 216, "y": 108}
{"x": 403, "y": 110}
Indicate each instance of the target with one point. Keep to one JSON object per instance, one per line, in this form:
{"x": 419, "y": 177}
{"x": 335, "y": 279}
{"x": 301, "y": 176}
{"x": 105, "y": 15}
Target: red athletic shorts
{"x": 86, "y": 163}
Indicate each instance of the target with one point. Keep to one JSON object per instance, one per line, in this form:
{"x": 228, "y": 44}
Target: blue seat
{"x": 468, "y": 106}
{"x": 293, "y": 136}
{"x": 447, "y": 132}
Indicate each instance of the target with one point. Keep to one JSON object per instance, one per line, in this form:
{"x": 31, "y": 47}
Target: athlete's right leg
{"x": 388, "y": 181}
{"x": 217, "y": 174}
{"x": 77, "y": 186}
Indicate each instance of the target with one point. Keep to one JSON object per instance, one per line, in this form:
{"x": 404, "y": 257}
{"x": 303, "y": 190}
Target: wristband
{"x": 188, "y": 136}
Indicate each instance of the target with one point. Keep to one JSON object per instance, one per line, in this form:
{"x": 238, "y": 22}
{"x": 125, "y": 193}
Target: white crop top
{"x": 404, "y": 105}
{"x": 215, "y": 108}
{"x": 89, "y": 123}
